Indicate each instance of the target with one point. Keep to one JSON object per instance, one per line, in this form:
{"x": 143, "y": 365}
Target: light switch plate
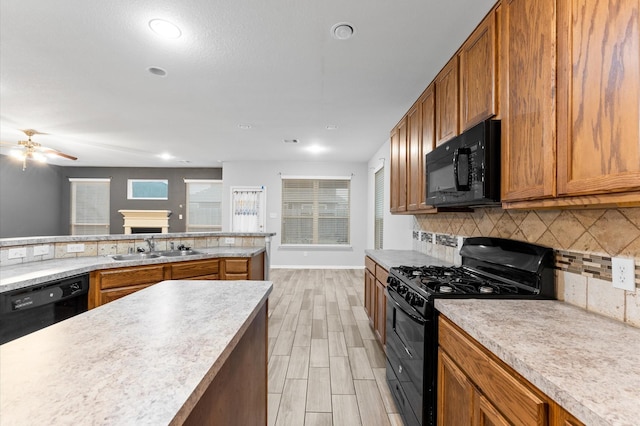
{"x": 623, "y": 273}
{"x": 17, "y": 253}
{"x": 40, "y": 250}
{"x": 75, "y": 248}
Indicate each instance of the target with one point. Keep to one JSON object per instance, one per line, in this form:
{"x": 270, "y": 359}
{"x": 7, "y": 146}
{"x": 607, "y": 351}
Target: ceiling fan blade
{"x": 58, "y": 153}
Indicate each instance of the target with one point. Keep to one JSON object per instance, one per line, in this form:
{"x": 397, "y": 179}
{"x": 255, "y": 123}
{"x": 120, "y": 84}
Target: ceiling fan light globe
{"x": 18, "y": 154}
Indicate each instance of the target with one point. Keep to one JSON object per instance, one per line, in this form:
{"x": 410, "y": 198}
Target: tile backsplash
{"x": 584, "y": 241}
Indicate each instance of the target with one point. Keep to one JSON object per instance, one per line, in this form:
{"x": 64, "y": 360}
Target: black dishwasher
{"x": 25, "y": 310}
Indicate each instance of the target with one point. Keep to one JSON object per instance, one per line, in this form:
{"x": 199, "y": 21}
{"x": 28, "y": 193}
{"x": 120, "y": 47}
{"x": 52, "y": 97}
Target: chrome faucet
{"x": 150, "y": 243}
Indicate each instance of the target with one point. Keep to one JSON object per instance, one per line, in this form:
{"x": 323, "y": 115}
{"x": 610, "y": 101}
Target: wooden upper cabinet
{"x": 428, "y": 140}
{"x": 479, "y": 73}
{"x": 528, "y": 61}
{"x": 446, "y": 87}
{"x": 398, "y": 189}
{"x": 598, "y": 92}
{"x": 415, "y": 162}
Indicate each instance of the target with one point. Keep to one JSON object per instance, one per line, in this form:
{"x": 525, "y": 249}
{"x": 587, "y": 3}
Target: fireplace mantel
{"x": 146, "y": 219}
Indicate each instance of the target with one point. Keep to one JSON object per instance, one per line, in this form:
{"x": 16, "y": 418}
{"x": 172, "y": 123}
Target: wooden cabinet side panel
{"x": 256, "y": 267}
{"x": 528, "y": 60}
{"x": 381, "y": 313}
{"x": 478, "y": 74}
{"x": 512, "y": 395}
{"x": 369, "y": 283}
{"x": 238, "y": 393}
{"x": 599, "y": 88}
{"x": 447, "y": 98}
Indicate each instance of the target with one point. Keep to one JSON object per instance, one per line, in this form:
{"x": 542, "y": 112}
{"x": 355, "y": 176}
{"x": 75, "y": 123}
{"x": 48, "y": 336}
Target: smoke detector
{"x": 342, "y": 31}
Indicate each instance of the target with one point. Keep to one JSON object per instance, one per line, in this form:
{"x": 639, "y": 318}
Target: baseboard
{"x": 315, "y": 267}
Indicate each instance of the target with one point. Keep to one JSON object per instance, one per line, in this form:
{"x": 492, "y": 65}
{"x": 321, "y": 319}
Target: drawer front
{"x": 382, "y": 274}
{"x": 236, "y": 277}
{"x": 194, "y": 269}
{"x": 510, "y": 394}
{"x": 131, "y": 276}
{"x": 236, "y": 266}
{"x": 370, "y": 264}
{"x": 111, "y": 295}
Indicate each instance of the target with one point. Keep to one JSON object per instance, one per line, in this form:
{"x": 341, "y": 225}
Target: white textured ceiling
{"x": 77, "y": 70}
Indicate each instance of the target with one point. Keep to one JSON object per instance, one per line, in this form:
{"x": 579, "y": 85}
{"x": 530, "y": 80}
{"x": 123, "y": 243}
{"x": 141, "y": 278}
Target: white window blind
{"x": 204, "y": 205}
{"x": 90, "y": 206}
{"x": 379, "y": 209}
{"x": 316, "y": 211}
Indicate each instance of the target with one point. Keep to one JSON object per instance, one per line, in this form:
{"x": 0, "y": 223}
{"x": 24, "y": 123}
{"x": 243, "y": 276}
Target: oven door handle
{"x": 414, "y": 317}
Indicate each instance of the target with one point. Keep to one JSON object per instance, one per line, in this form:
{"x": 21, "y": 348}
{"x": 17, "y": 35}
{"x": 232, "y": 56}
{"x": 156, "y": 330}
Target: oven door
{"x": 405, "y": 356}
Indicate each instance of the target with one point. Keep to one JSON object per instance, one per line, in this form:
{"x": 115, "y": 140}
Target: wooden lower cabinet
{"x": 477, "y": 388}
{"x": 108, "y": 285}
{"x": 375, "y": 300}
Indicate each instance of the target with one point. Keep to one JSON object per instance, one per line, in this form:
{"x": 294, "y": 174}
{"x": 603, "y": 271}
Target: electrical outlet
{"x": 75, "y": 248}
{"x": 17, "y": 253}
{"x": 623, "y": 273}
{"x": 40, "y": 250}
{"x": 229, "y": 240}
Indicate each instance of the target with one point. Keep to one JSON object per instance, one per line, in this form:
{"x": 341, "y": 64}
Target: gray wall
{"x": 29, "y": 199}
{"x": 36, "y": 202}
{"x": 118, "y": 200}
{"x": 267, "y": 173}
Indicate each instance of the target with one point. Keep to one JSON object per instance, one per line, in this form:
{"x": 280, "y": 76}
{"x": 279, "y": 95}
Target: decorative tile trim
{"x": 447, "y": 240}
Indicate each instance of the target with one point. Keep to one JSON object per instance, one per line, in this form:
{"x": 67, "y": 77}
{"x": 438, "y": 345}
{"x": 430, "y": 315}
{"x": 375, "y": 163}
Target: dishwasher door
{"x": 29, "y": 309}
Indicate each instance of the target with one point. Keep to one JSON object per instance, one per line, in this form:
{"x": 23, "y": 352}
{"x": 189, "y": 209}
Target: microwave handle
{"x": 456, "y": 161}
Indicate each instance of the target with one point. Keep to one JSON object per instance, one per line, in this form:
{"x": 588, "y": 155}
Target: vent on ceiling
{"x": 291, "y": 141}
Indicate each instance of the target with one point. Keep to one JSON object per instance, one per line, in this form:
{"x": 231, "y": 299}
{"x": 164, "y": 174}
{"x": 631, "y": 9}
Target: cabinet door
{"x": 428, "y": 140}
{"x": 598, "y": 92}
{"x": 454, "y": 393}
{"x": 528, "y": 91}
{"x": 478, "y": 76}
{"x": 447, "y": 119}
{"x": 381, "y": 313}
{"x": 414, "y": 160}
{"x": 485, "y": 414}
{"x": 196, "y": 268}
{"x": 394, "y": 189}
{"x": 369, "y": 290}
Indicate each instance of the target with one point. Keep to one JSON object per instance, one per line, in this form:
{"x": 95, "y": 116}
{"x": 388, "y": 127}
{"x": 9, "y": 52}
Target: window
{"x": 204, "y": 205}
{"x": 379, "y": 209}
{"x": 90, "y": 206}
{"x": 315, "y": 211}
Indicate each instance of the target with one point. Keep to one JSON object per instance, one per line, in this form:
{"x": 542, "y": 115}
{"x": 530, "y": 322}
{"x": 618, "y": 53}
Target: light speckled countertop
{"x": 587, "y": 363}
{"x": 33, "y": 273}
{"x": 143, "y": 359}
{"x": 390, "y": 258}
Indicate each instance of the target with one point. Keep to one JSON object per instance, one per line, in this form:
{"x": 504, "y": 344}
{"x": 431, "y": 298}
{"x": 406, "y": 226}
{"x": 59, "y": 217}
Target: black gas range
{"x": 491, "y": 268}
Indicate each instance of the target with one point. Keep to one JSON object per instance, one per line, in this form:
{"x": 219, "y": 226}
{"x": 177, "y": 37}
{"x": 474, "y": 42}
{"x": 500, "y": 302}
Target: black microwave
{"x": 465, "y": 171}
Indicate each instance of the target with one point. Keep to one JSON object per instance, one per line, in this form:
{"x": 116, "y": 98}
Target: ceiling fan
{"x": 29, "y": 150}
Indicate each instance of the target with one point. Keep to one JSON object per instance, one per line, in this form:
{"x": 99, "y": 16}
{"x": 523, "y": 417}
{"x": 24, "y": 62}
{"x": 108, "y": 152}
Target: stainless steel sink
{"x": 178, "y": 253}
{"x": 135, "y": 256}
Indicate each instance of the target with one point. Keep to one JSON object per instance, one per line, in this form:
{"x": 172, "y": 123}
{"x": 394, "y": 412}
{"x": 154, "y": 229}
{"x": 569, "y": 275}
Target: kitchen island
{"x": 178, "y": 352}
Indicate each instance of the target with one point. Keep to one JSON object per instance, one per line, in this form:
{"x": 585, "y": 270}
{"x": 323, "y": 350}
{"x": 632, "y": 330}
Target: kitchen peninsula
{"x": 179, "y": 352}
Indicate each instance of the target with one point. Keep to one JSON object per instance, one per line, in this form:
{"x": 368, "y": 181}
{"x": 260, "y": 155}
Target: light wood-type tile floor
{"x": 325, "y": 366}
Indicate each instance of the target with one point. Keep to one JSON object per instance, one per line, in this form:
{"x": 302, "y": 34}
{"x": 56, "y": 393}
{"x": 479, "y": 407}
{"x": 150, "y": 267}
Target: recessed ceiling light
{"x": 165, "y": 28}
{"x": 157, "y": 71}
{"x": 165, "y": 156}
{"x": 331, "y": 127}
{"x": 244, "y": 126}
{"x": 342, "y": 31}
{"x": 315, "y": 149}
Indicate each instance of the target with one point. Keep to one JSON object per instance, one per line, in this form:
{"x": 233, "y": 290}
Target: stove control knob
{"x": 402, "y": 289}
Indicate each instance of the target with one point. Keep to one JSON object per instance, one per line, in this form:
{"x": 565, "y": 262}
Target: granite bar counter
{"x": 587, "y": 363}
{"x": 27, "y": 274}
{"x": 147, "y": 359}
